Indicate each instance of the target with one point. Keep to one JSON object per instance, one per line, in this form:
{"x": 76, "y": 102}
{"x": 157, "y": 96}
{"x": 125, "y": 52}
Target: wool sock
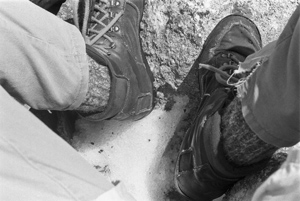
{"x": 98, "y": 89}
{"x": 241, "y": 145}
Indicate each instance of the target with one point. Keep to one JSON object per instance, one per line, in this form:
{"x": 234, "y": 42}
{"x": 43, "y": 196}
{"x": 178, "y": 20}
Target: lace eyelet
{"x": 116, "y": 29}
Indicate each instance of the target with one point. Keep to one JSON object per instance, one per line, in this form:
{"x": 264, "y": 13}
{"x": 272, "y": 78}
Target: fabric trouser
{"x": 36, "y": 164}
{"x": 270, "y": 97}
{"x": 44, "y": 64}
{"x": 43, "y": 58}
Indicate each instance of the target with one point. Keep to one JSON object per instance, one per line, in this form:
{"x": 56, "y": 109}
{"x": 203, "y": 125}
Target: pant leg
{"x": 270, "y": 97}
{"x": 43, "y": 59}
{"x": 35, "y": 164}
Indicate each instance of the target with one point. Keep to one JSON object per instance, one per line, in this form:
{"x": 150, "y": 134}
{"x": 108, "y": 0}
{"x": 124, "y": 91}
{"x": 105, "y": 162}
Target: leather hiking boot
{"x": 202, "y": 171}
{"x": 111, "y": 31}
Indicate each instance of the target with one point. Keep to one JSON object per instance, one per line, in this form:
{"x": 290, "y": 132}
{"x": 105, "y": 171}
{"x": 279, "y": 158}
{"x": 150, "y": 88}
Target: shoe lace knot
{"x": 225, "y": 74}
{"x": 103, "y": 19}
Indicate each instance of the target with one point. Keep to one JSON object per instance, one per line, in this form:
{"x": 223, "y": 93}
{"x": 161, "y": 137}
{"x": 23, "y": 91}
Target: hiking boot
{"x": 111, "y": 31}
{"x": 202, "y": 171}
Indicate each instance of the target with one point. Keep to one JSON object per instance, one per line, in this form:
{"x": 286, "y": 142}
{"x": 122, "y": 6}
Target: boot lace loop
{"x": 225, "y": 74}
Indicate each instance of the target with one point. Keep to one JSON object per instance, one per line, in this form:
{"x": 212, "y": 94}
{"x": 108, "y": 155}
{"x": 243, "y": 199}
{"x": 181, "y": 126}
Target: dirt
{"x": 142, "y": 154}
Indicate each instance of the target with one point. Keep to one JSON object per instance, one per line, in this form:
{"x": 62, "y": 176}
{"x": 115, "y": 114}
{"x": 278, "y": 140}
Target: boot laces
{"x": 225, "y": 75}
{"x": 102, "y": 13}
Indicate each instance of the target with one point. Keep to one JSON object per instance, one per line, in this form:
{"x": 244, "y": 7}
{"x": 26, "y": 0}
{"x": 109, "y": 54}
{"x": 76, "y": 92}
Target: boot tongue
{"x": 238, "y": 40}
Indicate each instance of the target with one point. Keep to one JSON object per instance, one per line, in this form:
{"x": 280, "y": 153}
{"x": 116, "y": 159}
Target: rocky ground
{"x": 142, "y": 154}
